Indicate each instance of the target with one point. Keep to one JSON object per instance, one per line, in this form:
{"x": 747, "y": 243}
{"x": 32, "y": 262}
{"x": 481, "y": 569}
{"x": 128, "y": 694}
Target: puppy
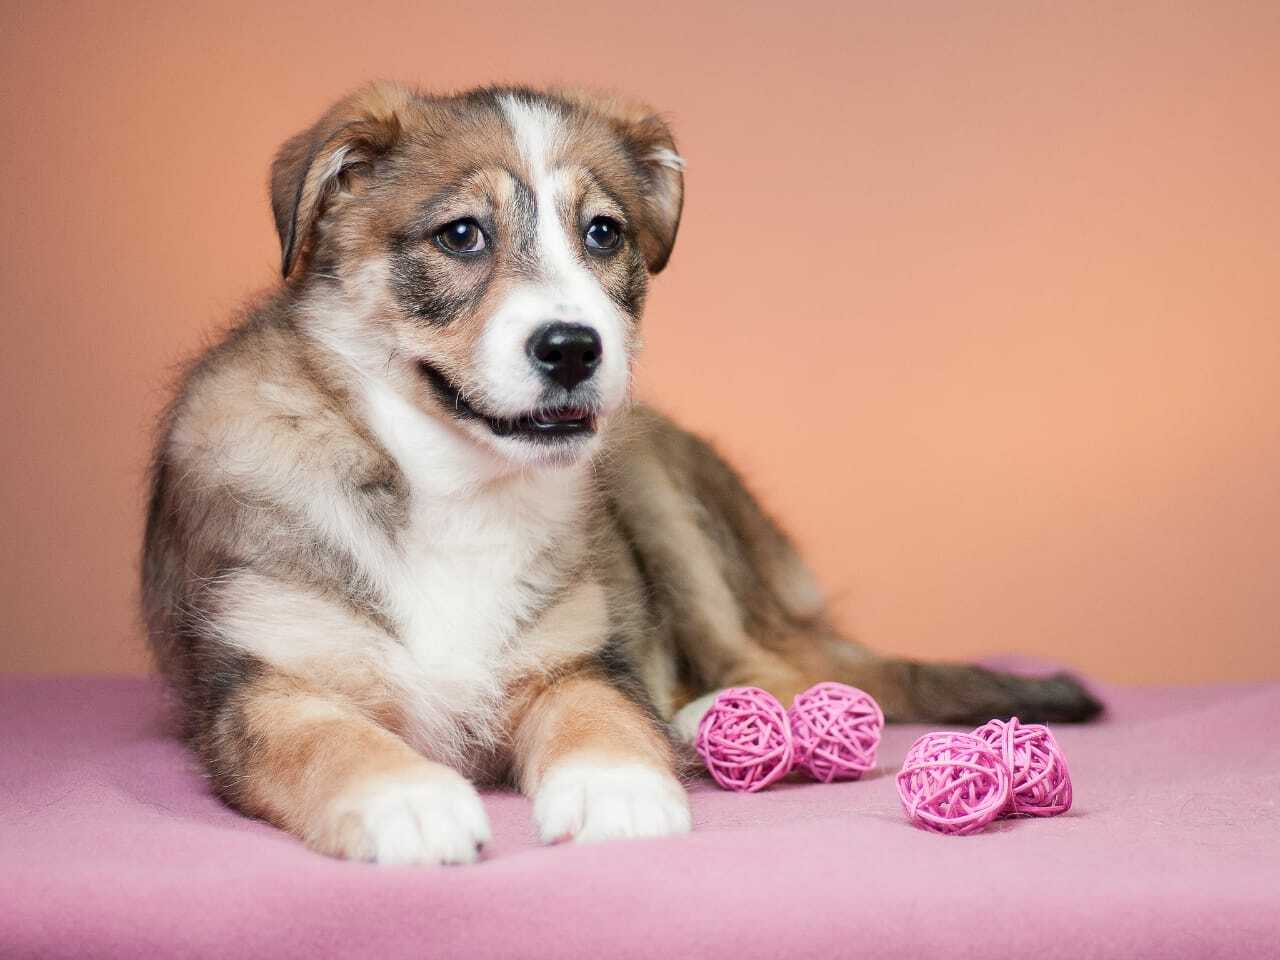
{"x": 407, "y": 534}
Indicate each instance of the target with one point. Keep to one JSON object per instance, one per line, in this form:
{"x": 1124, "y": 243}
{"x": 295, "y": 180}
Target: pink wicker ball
{"x": 837, "y": 730}
{"x": 1040, "y": 783}
{"x": 744, "y": 738}
{"x": 953, "y": 783}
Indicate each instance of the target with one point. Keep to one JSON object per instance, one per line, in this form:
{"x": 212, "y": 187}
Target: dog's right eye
{"x": 461, "y": 237}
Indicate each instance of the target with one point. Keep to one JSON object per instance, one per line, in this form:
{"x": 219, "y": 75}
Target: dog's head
{"x": 485, "y": 255}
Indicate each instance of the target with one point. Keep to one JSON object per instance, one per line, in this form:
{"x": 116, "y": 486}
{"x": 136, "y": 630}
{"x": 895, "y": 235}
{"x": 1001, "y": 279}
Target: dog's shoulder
{"x": 648, "y": 440}
{"x": 644, "y": 431}
{"x": 258, "y": 406}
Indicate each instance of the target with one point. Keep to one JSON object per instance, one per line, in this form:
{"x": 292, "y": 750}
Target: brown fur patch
{"x": 650, "y": 140}
{"x": 295, "y": 750}
{"x": 581, "y": 713}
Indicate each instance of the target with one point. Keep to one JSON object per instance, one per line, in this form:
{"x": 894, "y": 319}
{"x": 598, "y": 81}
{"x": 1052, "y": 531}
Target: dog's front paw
{"x": 429, "y": 815}
{"x": 587, "y": 800}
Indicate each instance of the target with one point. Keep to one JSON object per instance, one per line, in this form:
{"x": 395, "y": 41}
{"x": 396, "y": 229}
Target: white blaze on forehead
{"x": 539, "y": 135}
{"x": 565, "y": 289}
{"x": 538, "y": 130}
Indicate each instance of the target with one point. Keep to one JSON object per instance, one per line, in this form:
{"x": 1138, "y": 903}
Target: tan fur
{"x": 304, "y": 748}
{"x": 567, "y": 631}
{"x": 355, "y": 131}
{"x": 363, "y": 598}
{"x": 663, "y": 195}
{"x": 581, "y": 715}
{"x": 665, "y": 523}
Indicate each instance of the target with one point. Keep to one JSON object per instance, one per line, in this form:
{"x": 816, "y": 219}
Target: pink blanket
{"x": 111, "y": 846}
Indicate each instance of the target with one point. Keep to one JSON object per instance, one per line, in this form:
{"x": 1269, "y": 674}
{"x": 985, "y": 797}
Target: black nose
{"x": 568, "y": 353}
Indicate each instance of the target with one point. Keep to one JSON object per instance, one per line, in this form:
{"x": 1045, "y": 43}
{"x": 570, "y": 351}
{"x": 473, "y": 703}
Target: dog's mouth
{"x": 551, "y": 424}
{"x": 546, "y": 424}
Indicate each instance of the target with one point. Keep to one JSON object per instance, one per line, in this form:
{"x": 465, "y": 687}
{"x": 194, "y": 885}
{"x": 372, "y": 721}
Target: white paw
{"x": 596, "y": 800}
{"x": 685, "y": 723}
{"x": 427, "y": 817}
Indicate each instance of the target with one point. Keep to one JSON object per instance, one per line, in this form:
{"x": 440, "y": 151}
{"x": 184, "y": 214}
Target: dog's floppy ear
{"x": 313, "y": 165}
{"x": 653, "y": 150}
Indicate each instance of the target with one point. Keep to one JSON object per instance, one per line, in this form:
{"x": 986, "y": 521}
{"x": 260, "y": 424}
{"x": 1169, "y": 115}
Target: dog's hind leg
{"x": 744, "y": 609}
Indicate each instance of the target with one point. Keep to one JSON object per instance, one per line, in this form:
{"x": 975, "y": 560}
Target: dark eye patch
{"x": 430, "y": 288}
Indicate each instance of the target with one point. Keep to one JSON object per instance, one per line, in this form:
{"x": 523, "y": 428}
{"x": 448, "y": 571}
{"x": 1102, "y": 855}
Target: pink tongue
{"x": 561, "y": 416}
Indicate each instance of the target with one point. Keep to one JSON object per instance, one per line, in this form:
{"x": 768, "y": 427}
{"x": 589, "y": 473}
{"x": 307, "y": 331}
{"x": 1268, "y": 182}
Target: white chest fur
{"x": 472, "y": 566}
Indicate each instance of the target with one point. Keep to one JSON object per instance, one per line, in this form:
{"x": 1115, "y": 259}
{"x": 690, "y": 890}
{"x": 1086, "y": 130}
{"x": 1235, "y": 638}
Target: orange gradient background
{"x": 984, "y": 300}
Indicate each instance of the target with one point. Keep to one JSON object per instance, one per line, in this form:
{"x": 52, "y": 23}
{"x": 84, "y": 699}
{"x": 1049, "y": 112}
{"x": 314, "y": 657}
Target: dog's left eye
{"x": 603, "y": 235}
{"x": 461, "y": 237}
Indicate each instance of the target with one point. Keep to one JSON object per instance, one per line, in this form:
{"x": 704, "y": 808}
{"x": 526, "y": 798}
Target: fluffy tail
{"x": 910, "y": 691}
{"x": 913, "y": 692}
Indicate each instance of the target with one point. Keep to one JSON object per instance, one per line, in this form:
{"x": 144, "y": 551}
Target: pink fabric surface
{"x": 111, "y": 846}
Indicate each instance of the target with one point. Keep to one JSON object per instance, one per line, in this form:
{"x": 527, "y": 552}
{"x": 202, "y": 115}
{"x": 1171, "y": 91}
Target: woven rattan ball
{"x": 837, "y": 730}
{"x": 744, "y": 738}
{"x": 1040, "y": 785}
{"x": 953, "y": 783}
